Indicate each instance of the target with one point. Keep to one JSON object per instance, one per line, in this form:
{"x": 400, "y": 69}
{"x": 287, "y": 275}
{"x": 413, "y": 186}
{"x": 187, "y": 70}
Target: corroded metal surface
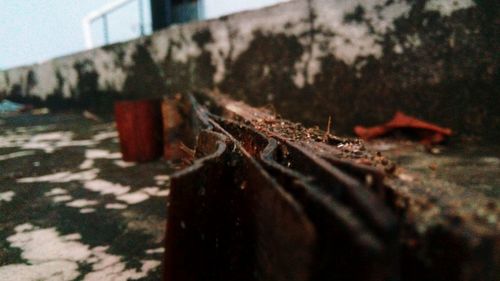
{"x": 254, "y": 207}
{"x": 231, "y": 221}
{"x": 266, "y": 199}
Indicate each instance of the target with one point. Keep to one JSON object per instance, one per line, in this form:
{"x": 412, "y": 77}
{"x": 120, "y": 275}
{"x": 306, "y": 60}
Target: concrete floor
{"x": 473, "y": 166}
{"x": 70, "y": 209}
{"x": 462, "y": 178}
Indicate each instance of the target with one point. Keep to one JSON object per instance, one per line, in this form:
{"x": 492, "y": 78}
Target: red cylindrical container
{"x": 139, "y": 125}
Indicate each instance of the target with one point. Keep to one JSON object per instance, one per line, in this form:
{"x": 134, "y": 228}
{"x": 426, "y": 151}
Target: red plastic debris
{"x": 428, "y": 133}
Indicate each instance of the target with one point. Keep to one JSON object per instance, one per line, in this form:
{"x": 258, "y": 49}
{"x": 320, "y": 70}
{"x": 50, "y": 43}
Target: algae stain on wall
{"x": 308, "y": 58}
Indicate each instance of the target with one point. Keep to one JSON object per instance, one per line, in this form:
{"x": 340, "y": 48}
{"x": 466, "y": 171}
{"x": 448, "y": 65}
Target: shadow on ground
{"x": 71, "y": 209}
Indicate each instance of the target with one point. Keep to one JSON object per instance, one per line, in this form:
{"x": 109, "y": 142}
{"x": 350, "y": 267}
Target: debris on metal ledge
{"x": 267, "y": 199}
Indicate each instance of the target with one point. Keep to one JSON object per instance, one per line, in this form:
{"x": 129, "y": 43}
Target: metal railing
{"x": 102, "y": 13}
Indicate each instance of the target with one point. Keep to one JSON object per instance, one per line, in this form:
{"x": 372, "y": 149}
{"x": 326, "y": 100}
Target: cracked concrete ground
{"x": 71, "y": 209}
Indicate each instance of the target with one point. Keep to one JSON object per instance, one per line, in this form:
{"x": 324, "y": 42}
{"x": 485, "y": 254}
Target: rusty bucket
{"x": 139, "y": 125}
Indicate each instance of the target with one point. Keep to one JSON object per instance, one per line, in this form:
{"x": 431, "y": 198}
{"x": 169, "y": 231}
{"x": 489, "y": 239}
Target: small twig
{"x": 327, "y": 133}
{"x": 188, "y": 151}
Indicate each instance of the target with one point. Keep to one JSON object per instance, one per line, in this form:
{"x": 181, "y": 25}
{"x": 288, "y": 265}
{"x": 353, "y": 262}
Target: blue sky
{"x": 36, "y": 30}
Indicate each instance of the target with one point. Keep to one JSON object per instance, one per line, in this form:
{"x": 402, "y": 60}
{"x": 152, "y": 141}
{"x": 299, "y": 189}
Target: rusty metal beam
{"x": 266, "y": 199}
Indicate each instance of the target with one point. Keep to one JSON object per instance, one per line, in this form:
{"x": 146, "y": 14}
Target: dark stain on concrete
{"x": 196, "y": 73}
{"x": 355, "y": 16}
{"x": 16, "y": 95}
{"x": 31, "y": 81}
{"x": 118, "y": 50}
{"x": 144, "y": 79}
{"x": 87, "y": 93}
{"x": 202, "y": 37}
{"x": 254, "y": 75}
{"x": 56, "y": 101}
{"x": 453, "y": 83}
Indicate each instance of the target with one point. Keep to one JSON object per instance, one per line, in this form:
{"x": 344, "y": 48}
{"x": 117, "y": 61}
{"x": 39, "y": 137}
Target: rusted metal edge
{"x": 276, "y": 259}
{"x": 331, "y": 180}
{"x": 340, "y": 229}
{"x": 185, "y": 224}
{"x": 370, "y": 176}
{"x": 229, "y": 220}
{"x": 343, "y": 241}
{"x": 308, "y": 169}
{"x": 421, "y": 256}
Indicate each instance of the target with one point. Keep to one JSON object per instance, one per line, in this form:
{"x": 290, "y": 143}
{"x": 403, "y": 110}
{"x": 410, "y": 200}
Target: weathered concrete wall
{"x": 355, "y": 60}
